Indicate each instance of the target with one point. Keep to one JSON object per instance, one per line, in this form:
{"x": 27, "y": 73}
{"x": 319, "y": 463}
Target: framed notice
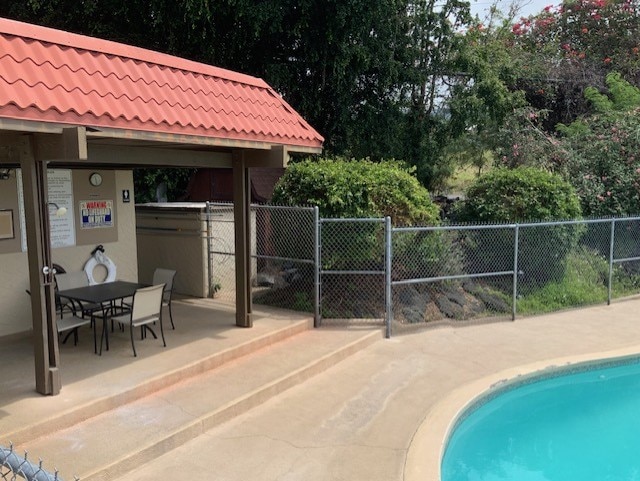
{"x": 96, "y": 214}
{"x": 6, "y": 224}
{"x": 61, "y": 219}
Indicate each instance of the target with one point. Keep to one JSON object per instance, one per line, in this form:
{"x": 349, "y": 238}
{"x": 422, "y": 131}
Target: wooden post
{"x": 45, "y": 337}
{"x": 242, "y": 223}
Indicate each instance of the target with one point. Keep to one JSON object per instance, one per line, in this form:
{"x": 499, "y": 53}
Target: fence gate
{"x": 353, "y": 270}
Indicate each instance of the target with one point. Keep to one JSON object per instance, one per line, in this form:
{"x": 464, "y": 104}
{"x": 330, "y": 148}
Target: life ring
{"x": 100, "y": 259}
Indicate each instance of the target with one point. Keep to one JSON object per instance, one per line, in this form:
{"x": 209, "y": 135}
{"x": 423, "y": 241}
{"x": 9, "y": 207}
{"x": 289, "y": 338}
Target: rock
{"x": 457, "y": 296}
{"x": 409, "y": 295}
{"x": 450, "y": 309}
{"x": 412, "y": 315}
{"x": 265, "y": 280}
{"x": 493, "y": 301}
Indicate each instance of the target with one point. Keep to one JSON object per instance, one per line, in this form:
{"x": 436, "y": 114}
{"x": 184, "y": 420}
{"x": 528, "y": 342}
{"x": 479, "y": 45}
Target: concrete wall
{"x": 119, "y": 243}
{"x": 173, "y": 237}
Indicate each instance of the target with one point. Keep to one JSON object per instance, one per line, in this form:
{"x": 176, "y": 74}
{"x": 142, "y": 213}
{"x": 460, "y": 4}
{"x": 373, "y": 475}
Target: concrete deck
{"x": 116, "y": 412}
{"x": 377, "y": 410}
{"x": 381, "y": 414}
{"x": 205, "y": 336}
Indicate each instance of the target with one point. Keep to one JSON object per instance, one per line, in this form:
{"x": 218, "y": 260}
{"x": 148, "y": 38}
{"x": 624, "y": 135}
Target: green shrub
{"x": 354, "y": 189}
{"x": 518, "y": 195}
{"x": 357, "y": 188}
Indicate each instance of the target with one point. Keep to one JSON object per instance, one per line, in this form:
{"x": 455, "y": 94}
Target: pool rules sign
{"x": 95, "y": 214}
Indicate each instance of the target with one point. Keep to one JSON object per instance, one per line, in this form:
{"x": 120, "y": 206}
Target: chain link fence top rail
{"x": 15, "y": 467}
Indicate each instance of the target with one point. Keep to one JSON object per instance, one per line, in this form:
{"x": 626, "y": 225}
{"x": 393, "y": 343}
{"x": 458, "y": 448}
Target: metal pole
{"x": 209, "y": 260}
{"x": 515, "y": 271}
{"x": 387, "y": 276}
{"x": 317, "y": 315}
{"x": 611, "y": 240}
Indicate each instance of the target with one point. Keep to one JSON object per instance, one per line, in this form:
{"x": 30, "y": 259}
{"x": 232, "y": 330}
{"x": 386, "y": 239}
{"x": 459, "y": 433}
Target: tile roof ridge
{"x": 108, "y": 47}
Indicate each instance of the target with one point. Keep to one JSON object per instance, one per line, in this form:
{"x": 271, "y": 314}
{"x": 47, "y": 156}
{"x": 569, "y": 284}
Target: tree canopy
{"x": 416, "y": 80}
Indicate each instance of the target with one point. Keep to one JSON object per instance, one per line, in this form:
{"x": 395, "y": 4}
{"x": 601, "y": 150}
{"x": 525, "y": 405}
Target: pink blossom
{"x": 599, "y": 197}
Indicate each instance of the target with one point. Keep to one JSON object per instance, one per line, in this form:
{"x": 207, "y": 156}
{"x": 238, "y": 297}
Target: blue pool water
{"x": 583, "y": 426}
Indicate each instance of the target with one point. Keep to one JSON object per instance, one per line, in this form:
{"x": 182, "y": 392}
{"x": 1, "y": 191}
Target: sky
{"x": 529, "y": 7}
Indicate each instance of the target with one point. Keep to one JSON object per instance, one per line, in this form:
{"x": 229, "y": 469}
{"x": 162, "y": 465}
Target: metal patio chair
{"x": 165, "y": 276}
{"x": 71, "y": 280}
{"x": 146, "y": 309}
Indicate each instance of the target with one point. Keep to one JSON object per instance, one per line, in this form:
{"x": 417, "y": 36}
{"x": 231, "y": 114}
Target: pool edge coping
{"x": 426, "y": 447}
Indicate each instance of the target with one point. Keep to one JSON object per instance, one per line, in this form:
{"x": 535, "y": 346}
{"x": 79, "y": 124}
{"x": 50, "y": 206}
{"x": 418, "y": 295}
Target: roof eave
{"x": 31, "y": 126}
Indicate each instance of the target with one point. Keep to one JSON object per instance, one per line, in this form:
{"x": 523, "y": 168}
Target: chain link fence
{"x": 474, "y": 273}
{"x": 350, "y": 271}
{"x": 353, "y": 270}
{"x": 15, "y": 467}
{"x": 285, "y": 258}
{"x": 221, "y": 266}
{"x": 452, "y": 272}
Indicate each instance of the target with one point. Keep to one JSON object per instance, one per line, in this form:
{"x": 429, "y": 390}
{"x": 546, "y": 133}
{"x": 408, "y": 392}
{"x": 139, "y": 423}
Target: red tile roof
{"x": 49, "y": 75}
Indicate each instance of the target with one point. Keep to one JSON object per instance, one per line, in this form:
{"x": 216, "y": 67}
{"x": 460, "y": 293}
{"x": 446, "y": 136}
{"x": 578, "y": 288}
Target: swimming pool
{"x": 581, "y": 424}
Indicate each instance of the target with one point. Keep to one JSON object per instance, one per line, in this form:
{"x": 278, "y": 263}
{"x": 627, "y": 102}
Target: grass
{"x": 462, "y": 178}
{"x": 584, "y": 282}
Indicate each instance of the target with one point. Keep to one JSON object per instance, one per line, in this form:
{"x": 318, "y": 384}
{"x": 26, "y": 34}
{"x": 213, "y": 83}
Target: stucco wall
{"x": 174, "y": 236}
{"x": 174, "y": 239}
{"x": 15, "y": 310}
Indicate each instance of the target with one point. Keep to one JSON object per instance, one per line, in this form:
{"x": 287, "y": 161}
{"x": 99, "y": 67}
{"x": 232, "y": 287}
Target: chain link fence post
{"x": 611, "y": 246}
{"x": 387, "y": 276}
{"x": 516, "y": 238}
{"x": 317, "y": 261}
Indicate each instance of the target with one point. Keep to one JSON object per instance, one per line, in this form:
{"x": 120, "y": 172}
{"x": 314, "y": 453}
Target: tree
{"x": 603, "y": 162}
{"x": 517, "y": 195}
{"x": 357, "y": 188}
{"x": 567, "y": 48}
{"x": 375, "y": 78}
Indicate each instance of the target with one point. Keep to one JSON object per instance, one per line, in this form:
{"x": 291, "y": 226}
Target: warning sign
{"x": 96, "y": 214}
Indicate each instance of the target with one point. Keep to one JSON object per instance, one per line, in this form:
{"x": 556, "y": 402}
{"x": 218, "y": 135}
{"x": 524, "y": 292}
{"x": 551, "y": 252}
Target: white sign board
{"x": 61, "y": 218}
{"x": 61, "y": 213}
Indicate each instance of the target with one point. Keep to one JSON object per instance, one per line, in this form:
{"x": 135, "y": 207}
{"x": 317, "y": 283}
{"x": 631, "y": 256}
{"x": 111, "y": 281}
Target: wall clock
{"x": 95, "y": 179}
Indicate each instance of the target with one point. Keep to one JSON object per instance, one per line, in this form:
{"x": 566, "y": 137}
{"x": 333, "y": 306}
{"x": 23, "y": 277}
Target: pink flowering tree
{"x": 603, "y": 152}
{"x": 570, "y": 46}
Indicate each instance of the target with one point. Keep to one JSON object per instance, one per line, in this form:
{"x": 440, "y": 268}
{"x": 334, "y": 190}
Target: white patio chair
{"x": 146, "y": 308}
{"x": 165, "y": 276}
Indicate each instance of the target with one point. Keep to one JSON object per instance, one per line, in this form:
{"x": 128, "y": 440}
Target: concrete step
{"x": 119, "y": 440}
{"x": 105, "y": 384}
